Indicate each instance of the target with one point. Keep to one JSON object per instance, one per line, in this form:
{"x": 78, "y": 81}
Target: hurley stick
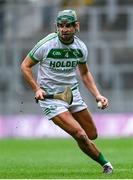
{"x": 66, "y": 96}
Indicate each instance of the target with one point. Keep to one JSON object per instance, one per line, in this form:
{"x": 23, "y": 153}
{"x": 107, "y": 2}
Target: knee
{"x": 93, "y": 135}
{"x": 80, "y": 135}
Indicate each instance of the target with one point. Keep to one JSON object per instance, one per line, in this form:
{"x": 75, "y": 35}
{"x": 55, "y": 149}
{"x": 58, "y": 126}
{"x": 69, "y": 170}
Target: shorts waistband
{"x": 73, "y": 88}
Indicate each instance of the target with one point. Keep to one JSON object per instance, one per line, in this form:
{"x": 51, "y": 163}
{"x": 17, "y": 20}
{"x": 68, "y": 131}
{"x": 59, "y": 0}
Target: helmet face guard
{"x": 67, "y": 18}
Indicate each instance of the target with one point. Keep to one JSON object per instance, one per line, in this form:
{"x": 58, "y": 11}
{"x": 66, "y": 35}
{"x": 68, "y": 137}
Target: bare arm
{"x": 89, "y": 82}
{"x": 26, "y": 68}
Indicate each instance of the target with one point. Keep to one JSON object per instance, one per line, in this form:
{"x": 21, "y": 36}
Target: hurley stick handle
{"x": 66, "y": 96}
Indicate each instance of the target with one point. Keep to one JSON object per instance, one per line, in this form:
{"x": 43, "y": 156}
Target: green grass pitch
{"x": 62, "y": 159}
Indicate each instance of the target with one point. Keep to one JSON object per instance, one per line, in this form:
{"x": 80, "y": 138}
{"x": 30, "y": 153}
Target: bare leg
{"x": 71, "y": 126}
{"x": 84, "y": 118}
{"x": 67, "y": 122}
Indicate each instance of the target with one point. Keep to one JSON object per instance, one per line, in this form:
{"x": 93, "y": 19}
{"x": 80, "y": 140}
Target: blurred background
{"x": 106, "y": 29}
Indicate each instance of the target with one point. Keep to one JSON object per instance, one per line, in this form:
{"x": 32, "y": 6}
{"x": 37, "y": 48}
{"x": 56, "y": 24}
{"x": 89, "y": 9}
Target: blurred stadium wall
{"x": 107, "y": 30}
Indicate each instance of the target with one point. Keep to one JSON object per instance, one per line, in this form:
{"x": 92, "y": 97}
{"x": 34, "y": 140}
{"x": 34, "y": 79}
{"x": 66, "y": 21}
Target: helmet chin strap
{"x": 57, "y": 31}
{"x": 78, "y": 29}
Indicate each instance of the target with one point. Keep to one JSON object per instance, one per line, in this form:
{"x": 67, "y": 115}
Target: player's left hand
{"x": 103, "y": 100}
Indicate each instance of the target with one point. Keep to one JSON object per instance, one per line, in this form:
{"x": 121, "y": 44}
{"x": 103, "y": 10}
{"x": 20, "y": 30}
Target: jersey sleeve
{"x": 83, "y": 60}
{"x": 36, "y": 54}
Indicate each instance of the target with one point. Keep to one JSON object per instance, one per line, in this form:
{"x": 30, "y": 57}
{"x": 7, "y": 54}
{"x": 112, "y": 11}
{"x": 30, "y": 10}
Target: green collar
{"x": 66, "y": 43}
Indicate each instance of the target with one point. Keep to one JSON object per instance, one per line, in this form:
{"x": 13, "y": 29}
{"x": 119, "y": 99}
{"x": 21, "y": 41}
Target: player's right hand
{"x": 40, "y": 94}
